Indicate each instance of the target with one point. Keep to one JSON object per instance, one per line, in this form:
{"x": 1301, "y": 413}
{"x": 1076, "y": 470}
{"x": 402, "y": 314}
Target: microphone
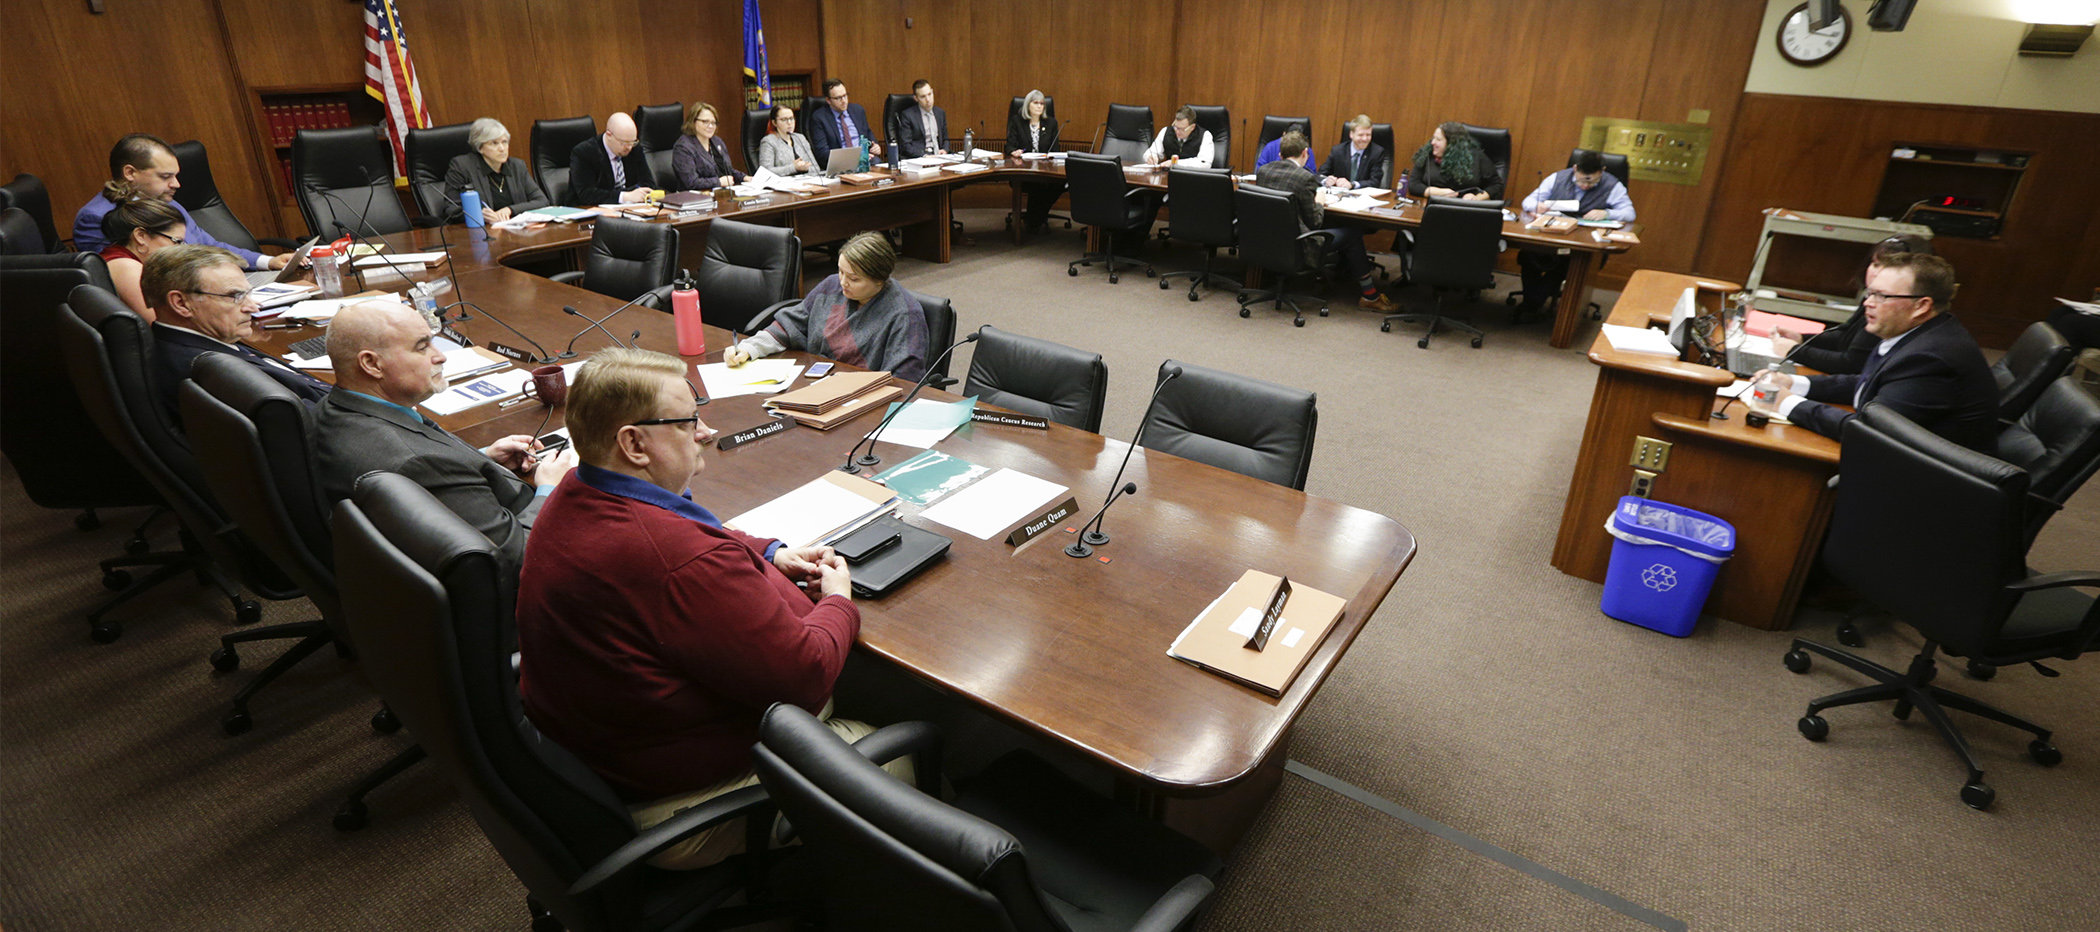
{"x": 852, "y": 465}
{"x": 1093, "y": 536}
{"x": 570, "y": 351}
{"x": 340, "y": 227}
{"x": 1100, "y": 135}
{"x": 1722, "y": 413}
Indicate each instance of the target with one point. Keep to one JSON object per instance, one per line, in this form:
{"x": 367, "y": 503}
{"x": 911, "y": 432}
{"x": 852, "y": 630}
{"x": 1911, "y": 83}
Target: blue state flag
{"x": 755, "y": 53}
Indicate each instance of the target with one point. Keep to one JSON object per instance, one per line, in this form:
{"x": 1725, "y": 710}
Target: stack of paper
{"x": 821, "y": 510}
{"x": 924, "y": 423}
{"x": 472, "y": 361}
{"x": 964, "y": 168}
{"x": 757, "y": 377}
{"x": 404, "y": 261}
{"x": 1760, "y": 323}
{"x": 1639, "y": 340}
{"x": 1217, "y": 639}
{"x": 496, "y": 386}
{"x": 829, "y": 402}
{"x": 551, "y": 215}
{"x": 995, "y": 504}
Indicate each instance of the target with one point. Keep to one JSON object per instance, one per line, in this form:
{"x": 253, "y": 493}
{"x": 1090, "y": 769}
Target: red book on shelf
{"x": 306, "y": 117}
{"x": 342, "y": 114}
{"x": 275, "y": 122}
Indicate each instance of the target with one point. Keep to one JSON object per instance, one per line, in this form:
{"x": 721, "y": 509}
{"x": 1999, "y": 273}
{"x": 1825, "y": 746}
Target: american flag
{"x": 391, "y": 77}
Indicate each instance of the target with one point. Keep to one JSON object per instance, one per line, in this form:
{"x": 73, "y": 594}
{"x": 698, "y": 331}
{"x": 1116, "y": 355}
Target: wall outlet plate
{"x": 1650, "y": 453}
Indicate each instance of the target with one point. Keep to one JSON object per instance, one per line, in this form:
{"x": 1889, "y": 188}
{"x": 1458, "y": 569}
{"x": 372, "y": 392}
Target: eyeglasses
{"x": 173, "y": 241}
{"x": 694, "y": 420}
{"x": 1876, "y": 297}
{"x": 838, "y": 96}
{"x": 237, "y": 297}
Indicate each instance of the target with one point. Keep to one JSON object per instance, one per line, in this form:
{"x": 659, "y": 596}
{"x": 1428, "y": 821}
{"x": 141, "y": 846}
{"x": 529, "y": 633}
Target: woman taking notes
{"x": 700, "y": 162}
{"x": 860, "y": 317}
{"x": 784, "y": 151}
{"x": 1452, "y": 164}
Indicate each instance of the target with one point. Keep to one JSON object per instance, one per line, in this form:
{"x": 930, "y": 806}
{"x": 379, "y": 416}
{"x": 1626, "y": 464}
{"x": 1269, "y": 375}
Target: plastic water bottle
{"x": 969, "y": 144}
{"x": 470, "y": 202}
{"x": 685, "y": 314}
{"x": 327, "y": 272}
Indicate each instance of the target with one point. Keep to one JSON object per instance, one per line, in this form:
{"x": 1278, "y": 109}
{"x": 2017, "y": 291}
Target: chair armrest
{"x": 657, "y": 299}
{"x": 1326, "y": 237}
{"x": 732, "y": 805}
{"x": 1136, "y": 191}
{"x": 288, "y": 245}
{"x": 761, "y": 319}
{"x": 922, "y": 739}
{"x": 1176, "y": 905}
{"x": 2056, "y": 580}
{"x": 567, "y": 278}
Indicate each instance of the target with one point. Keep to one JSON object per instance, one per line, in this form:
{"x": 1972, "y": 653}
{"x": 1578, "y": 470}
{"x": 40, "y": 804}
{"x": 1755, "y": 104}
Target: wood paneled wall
{"x": 1827, "y": 155}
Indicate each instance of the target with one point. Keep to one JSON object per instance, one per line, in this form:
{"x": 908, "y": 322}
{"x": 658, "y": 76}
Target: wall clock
{"x": 1810, "y": 47}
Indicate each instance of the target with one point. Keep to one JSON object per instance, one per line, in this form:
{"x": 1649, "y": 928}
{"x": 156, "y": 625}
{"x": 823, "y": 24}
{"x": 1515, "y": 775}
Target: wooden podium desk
{"x": 1770, "y": 483}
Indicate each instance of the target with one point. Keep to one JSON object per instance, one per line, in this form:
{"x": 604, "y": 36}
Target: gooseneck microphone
{"x": 570, "y": 351}
{"x": 852, "y": 465}
{"x": 1084, "y": 546}
{"x": 1721, "y": 414}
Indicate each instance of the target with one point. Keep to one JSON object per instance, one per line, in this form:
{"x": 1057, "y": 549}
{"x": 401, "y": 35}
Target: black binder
{"x": 892, "y": 566}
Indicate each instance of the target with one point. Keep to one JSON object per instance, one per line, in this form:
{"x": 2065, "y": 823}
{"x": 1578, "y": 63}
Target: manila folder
{"x": 1217, "y": 639}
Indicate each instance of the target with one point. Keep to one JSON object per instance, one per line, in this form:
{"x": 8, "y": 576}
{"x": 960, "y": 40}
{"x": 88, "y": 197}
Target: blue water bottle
{"x": 470, "y": 202}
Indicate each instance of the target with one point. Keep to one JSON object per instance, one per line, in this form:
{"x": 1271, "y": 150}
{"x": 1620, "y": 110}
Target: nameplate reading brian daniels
{"x": 1002, "y": 418}
{"x": 731, "y": 441}
{"x": 511, "y": 353}
{"x": 1036, "y": 526}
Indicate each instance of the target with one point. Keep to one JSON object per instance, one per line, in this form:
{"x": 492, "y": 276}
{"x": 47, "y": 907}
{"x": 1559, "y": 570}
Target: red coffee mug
{"x": 550, "y": 384}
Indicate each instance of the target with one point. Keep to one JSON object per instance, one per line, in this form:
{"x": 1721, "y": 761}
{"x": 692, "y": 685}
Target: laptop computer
{"x": 292, "y": 271}
{"x": 842, "y": 162}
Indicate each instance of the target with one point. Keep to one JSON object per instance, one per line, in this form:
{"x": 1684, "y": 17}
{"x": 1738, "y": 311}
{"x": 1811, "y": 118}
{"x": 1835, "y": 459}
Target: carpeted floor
{"x": 1488, "y": 696}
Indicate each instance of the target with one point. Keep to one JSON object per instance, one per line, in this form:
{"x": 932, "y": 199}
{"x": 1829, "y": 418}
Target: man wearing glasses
{"x": 612, "y": 167}
{"x": 842, "y": 125}
{"x": 200, "y": 299}
{"x": 1926, "y": 367}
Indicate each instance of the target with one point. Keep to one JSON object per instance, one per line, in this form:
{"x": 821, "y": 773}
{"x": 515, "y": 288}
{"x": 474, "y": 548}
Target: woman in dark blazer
{"x": 504, "y": 183}
{"x": 700, "y": 161}
{"x": 1030, "y": 129}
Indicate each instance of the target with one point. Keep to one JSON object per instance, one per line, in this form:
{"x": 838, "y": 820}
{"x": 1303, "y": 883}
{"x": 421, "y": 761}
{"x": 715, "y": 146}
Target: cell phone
{"x": 550, "y": 443}
{"x": 818, "y": 370}
{"x": 866, "y": 542}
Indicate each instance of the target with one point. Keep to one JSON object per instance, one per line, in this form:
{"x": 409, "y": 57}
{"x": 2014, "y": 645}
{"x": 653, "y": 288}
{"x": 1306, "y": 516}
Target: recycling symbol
{"x": 1660, "y": 577}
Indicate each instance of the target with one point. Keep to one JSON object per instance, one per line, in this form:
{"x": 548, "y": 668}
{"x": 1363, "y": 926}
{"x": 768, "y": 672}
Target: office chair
{"x": 1382, "y": 136}
{"x": 1233, "y": 422}
{"x": 749, "y": 269}
{"x": 2057, "y": 441}
{"x": 1102, "y": 197}
{"x": 893, "y": 105}
{"x": 199, "y": 195}
{"x": 629, "y": 259}
{"x": 1038, "y": 377}
{"x": 346, "y": 176}
{"x": 429, "y": 153}
{"x": 2029, "y": 366}
{"x": 1496, "y": 142}
{"x": 1217, "y": 121}
{"x": 1022, "y": 847}
{"x": 1013, "y": 109}
{"x": 757, "y": 123}
{"x": 1615, "y": 164}
{"x": 940, "y": 330}
{"x": 1126, "y": 134}
{"x": 27, "y": 192}
{"x": 552, "y": 140}
{"x": 1203, "y": 215}
{"x": 1270, "y": 241}
{"x": 659, "y": 126}
{"x": 1273, "y": 127}
{"x": 19, "y": 235}
{"x": 109, "y": 357}
{"x": 1955, "y": 571}
{"x": 1455, "y": 249}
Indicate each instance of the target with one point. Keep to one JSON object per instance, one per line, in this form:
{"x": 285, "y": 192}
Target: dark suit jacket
{"x": 911, "y": 132}
{"x": 179, "y": 348}
{"x": 1017, "y": 134}
{"x": 823, "y": 130}
{"x": 517, "y": 191}
{"x": 355, "y": 434}
{"x": 1936, "y": 376}
{"x": 1370, "y": 171}
{"x": 591, "y": 174}
{"x": 1291, "y": 178}
{"x": 1840, "y": 350}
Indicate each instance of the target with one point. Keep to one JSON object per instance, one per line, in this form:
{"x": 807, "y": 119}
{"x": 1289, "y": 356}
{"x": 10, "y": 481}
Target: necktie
{"x": 1356, "y": 163}
{"x": 846, "y": 131}
{"x": 619, "y": 171}
{"x": 1867, "y": 377}
{"x": 931, "y": 143}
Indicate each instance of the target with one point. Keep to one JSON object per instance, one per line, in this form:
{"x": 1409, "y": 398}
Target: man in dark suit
{"x": 1926, "y": 366}
{"x": 199, "y": 297}
{"x": 922, "y": 130}
{"x": 610, "y": 167}
{"x": 384, "y": 366}
{"x": 1289, "y": 175}
{"x": 841, "y": 125}
{"x": 1357, "y": 162}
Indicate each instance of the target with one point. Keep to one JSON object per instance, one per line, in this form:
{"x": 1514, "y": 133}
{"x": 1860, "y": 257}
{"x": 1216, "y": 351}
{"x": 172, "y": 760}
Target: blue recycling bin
{"x": 1663, "y": 563}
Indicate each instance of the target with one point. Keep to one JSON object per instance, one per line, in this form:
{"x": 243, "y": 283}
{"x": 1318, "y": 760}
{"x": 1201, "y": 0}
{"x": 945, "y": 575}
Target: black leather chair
{"x": 2057, "y": 440}
{"x": 1022, "y": 847}
{"x": 551, "y": 142}
{"x": 109, "y": 359}
{"x": 346, "y": 176}
{"x": 1495, "y": 141}
{"x": 199, "y": 195}
{"x": 629, "y": 259}
{"x": 1203, "y": 215}
{"x": 430, "y": 603}
{"x": 659, "y": 126}
{"x": 940, "y": 330}
{"x": 1270, "y": 241}
{"x": 757, "y": 123}
{"x": 1217, "y": 121}
{"x": 2035, "y": 360}
{"x": 1248, "y": 426}
{"x": 1273, "y": 127}
{"x": 1935, "y": 533}
{"x": 1381, "y": 135}
{"x": 1615, "y": 165}
{"x": 1454, "y": 250}
{"x": 892, "y": 106}
{"x": 27, "y": 192}
{"x": 1013, "y": 108}
{"x": 1127, "y": 133}
{"x": 19, "y": 235}
{"x": 430, "y": 153}
{"x": 749, "y": 269}
{"x": 1038, "y": 377}
{"x": 1103, "y": 197}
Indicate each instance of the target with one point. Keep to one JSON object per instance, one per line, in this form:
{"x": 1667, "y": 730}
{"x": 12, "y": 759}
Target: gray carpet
{"x": 1487, "y": 695}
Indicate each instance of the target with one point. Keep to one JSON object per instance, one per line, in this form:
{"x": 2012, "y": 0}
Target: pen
{"x": 514, "y": 402}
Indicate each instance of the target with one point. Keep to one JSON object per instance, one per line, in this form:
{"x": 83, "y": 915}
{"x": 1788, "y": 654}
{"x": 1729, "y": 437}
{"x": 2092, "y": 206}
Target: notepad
{"x": 821, "y": 509}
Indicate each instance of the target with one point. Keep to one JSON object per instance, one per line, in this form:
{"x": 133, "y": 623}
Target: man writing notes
{"x": 922, "y": 130}
{"x": 842, "y": 124}
{"x": 1182, "y": 142}
{"x": 1288, "y": 174}
{"x": 652, "y": 638}
{"x": 1583, "y": 191}
{"x": 386, "y": 364}
{"x": 611, "y": 167}
{"x": 1926, "y": 367}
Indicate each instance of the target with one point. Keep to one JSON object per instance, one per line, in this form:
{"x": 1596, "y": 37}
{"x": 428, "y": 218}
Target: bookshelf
{"x": 789, "y": 90}
{"x": 280, "y": 112}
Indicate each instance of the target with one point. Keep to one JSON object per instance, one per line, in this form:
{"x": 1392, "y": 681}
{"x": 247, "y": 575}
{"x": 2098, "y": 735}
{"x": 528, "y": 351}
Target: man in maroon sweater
{"x": 651, "y": 638}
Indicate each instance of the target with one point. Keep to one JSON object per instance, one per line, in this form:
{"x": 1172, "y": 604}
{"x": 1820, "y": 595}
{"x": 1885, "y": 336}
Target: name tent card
{"x": 1008, "y": 419}
{"x": 1043, "y": 523}
{"x": 731, "y": 441}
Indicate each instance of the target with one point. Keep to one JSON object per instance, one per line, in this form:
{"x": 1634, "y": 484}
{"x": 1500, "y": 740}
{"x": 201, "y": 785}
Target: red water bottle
{"x": 685, "y": 313}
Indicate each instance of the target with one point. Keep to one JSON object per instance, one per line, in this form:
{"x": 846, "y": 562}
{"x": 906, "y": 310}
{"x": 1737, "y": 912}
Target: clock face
{"x": 1804, "y": 46}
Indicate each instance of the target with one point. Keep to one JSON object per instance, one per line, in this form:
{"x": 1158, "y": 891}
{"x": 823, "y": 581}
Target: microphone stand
{"x": 1093, "y": 536}
{"x": 852, "y": 465}
{"x": 570, "y": 351}
{"x": 1722, "y": 413}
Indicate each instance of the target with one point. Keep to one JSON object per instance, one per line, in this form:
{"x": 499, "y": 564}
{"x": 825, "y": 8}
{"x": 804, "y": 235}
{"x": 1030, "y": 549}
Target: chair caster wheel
{"x": 1149, "y": 273}
{"x": 1978, "y": 795}
{"x": 1981, "y": 671}
{"x": 86, "y": 521}
{"x": 1797, "y": 661}
{"x": 1422, "y": 343}
{"x": 1323, "y": 312}
{"x": 1112, "y": 279}
{"x": 384, "y": 721}
{"x": 1246, "y": 313}
{"x": 116, "y": 580}
{"x": 247, "y": 611}
{"x": 104, "y": 632}
{"x": 225, "y": 659}
{"x": 237, "y": 722}
{"x": 1385, "y": 328}
{"x": 1192, "y": 296}
{"x": 1298, "y": 322}
{"x": 136, "y": 546}
{"x": 1848, "y": 635}
{"x": 1072, "y": 272}
{"x": 1476, "y": 342}
{"x": 2044, "y": 753}
{"x": 1813, "y": 727}
{"x": 1510, "y": 300}
{"x": 351, "y": 817}
{"x": 1162, "y": 284}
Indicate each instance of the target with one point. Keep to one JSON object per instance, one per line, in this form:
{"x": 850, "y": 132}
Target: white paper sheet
{"x": 995, "y": 503}
{"x": 757, "y": 377}
{"x": 1639, "y": 340}
{"x": 924, "y": 423}
{"x": 495, "y": 386}
{"x": 804, "y": 515}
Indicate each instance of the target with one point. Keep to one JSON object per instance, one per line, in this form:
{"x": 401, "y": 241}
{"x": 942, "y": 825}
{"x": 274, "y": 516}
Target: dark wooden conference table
{"x": 1073, "y": 650}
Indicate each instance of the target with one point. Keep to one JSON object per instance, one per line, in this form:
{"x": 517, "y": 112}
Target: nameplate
{"x": 452, "y": 333}
{"x": 982, "y": 416}
{"x": 511, "y": 353}
{"x": 732, "y": 440}
{"x": 1042, "y": 523}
